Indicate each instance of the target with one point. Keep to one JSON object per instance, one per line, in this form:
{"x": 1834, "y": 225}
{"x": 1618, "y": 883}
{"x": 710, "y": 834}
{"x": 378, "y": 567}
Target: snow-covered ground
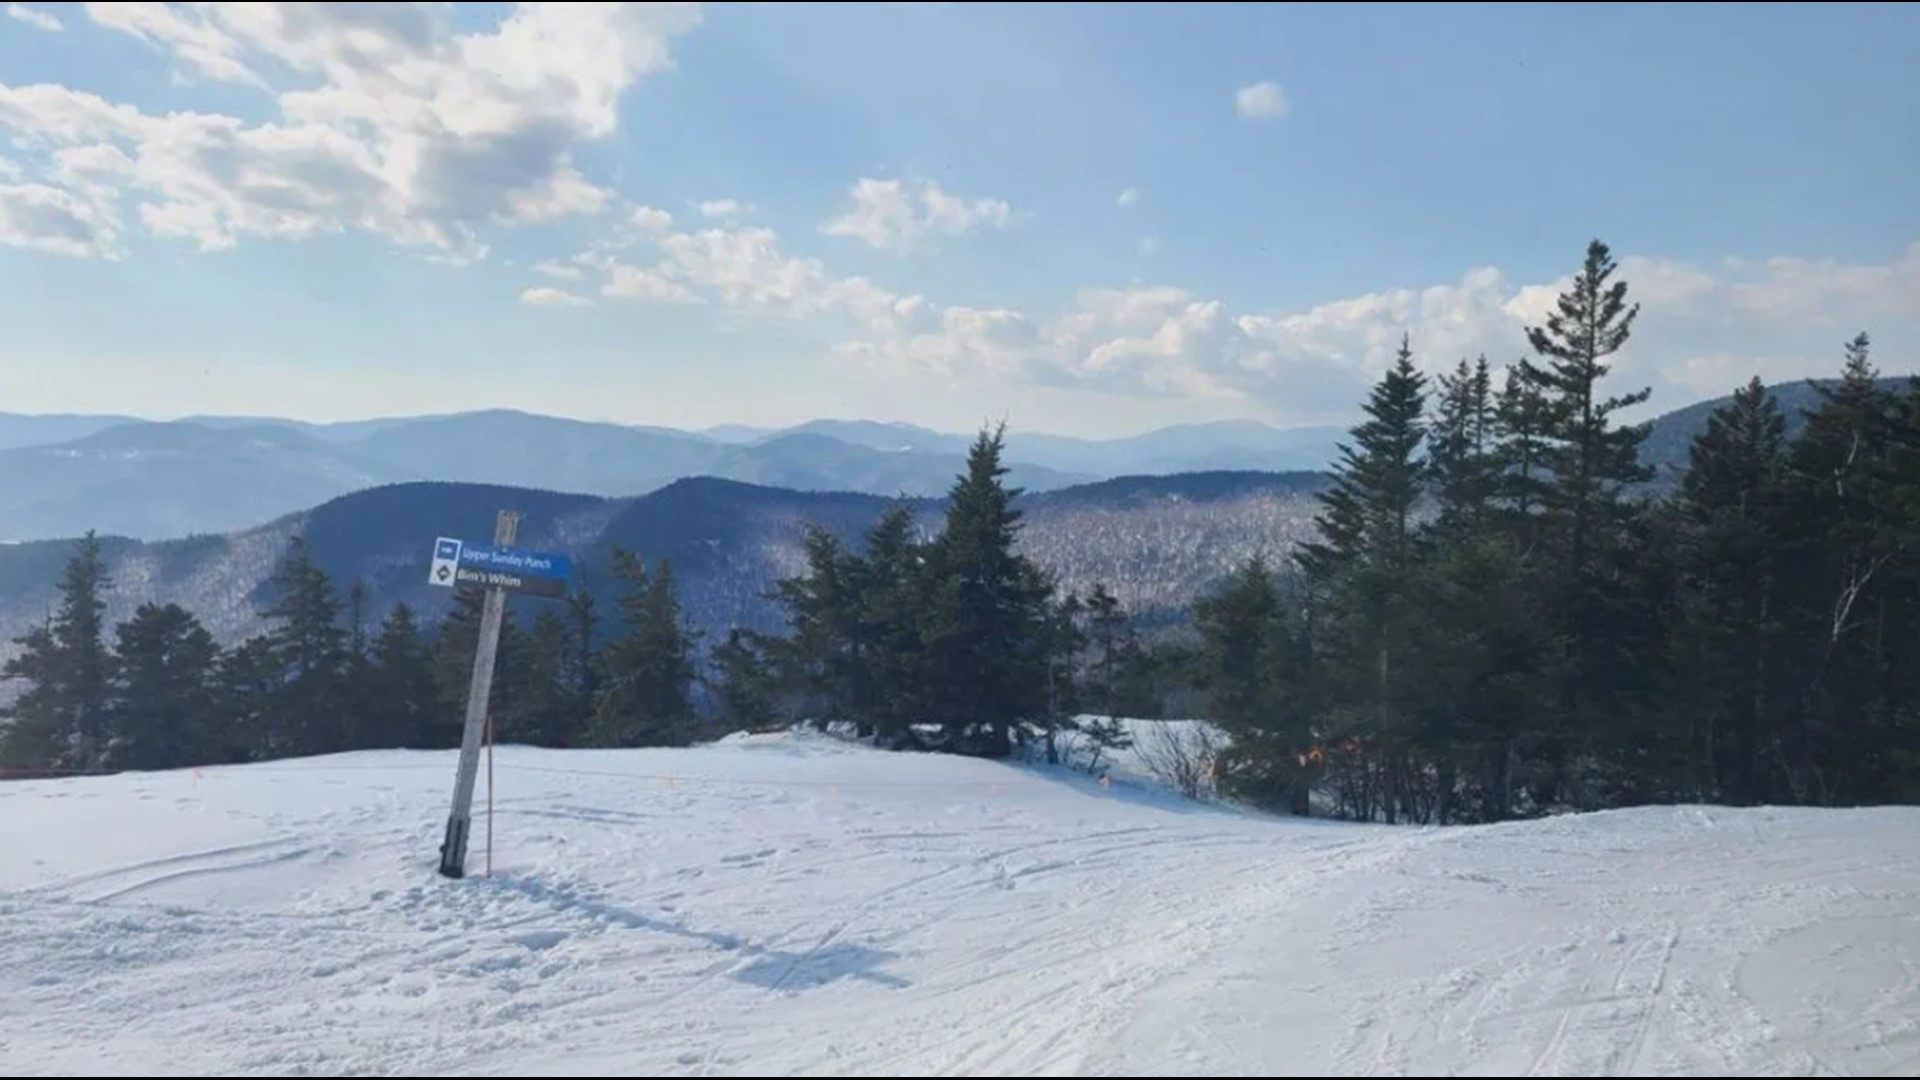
{"x": 786, "y": 906}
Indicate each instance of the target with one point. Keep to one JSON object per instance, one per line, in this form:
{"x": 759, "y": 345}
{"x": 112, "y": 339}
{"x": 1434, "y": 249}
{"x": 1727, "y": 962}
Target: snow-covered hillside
{"x": 791, "y": 906}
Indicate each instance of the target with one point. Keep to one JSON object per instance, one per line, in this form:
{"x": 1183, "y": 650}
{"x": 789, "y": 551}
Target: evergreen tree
{"x": 360, "y": 706}
{"x": 1480, "y": 647}
{"x": 1462, "y": 465}
{"x": 1522, "y": 420}
{"x": 310, "y": 649}
{"x": 454, "y": 648}
{"x": 38, "y": 735}
{"x": 1361, "y": 570}
{"x": 646, "y": 699}
{"x": 251, "y": 678}
{"x": 1367, "y": 517}
{"x": 1589, "y": 464}
{"x": 743, "y": 684}
{"x": 1591, "y": 461}
{"x": 582, "y": 671}
{"x": 1107, "y": 634}
{"x": 889, "y": 597}
{"x": 406, "y": 700}
{"x": 817, "y": 664}
{"x": 167, "y": 712}
{"x": 1730, "y": 558}
{"x": 544, "y": 707}
{"x": 986, "y": 626}
{"x": 1850, "y": 584}
{"x": 1245, "y": 654}
{"x": 60, "y": 721}
{"x": 1143, "y": 676}
{"x": 1839, "y": 466}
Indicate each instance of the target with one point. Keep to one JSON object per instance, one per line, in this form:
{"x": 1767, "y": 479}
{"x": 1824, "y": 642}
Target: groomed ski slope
{"x": 788, "y": 906}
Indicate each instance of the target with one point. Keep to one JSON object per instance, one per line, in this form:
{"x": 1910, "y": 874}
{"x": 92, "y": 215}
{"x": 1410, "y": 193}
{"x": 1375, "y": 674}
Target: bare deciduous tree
{"x": 1181, "y": 755}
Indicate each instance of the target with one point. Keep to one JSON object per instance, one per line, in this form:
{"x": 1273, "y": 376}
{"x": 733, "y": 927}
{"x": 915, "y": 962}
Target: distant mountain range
{"x": 1158, "y": 542}
{"x": 63, "y": 475}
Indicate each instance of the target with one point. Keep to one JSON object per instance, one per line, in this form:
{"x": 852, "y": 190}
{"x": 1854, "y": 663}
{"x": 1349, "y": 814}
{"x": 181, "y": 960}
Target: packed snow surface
{"x": 787, "y": 906}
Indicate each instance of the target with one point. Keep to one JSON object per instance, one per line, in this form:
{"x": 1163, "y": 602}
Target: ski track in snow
{"x": 793, "y": 906}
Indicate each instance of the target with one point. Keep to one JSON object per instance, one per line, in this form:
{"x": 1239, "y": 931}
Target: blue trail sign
{"x": 531, "y": 573}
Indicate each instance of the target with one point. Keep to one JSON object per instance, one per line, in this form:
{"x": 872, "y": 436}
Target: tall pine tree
{"x": 1731, "y": 563}
{"x": 406, "y": 708}
{"x": 646, "y": 698}
{"x": 1362, "y": 569}
{"x": 167, "y": 713}
{"x": 986, "y": 630}
{"x": 60, "y": 721}
{"x": 742, "y": 684}
{"x": 310, "y": 650}
{"x": 1248, "y": 650}
{"x": 1589, "y": 463}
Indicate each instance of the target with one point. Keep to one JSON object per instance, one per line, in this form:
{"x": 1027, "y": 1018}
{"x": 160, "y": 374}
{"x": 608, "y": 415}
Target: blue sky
{"x": 1084, "y": 218}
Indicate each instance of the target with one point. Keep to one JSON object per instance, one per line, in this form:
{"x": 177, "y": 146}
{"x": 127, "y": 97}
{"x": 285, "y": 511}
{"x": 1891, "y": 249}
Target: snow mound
{"x": 783, "y": 906}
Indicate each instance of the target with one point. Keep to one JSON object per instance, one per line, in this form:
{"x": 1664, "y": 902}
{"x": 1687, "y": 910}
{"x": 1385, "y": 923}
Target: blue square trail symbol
{"x": 448, "y": 549}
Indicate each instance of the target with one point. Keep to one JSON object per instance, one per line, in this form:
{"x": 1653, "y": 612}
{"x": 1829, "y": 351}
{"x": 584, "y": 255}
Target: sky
{"x": 1089, "y": 219}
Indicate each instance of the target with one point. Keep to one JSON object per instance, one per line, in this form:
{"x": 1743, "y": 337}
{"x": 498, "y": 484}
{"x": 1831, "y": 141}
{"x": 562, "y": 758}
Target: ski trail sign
{"x": 446, "y": 562}
{"x": 513, "y": 570}
{"x": 498, "y": 569}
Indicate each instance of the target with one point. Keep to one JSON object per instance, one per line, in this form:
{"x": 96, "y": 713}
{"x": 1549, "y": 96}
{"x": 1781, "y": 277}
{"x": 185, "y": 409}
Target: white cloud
{"x": 389, "y": 121}
{"x": 1261, "y": 101}
{"x": 198, "y": 42}
{"x": 563, "y": 271}
{"x": 652, "y": 220}
{"x": 747, "y": 270}
{"x": 1315, "y": 365}
{"x": 42, "y": 218}
{"x": 1128, "y": 197}
{"x": 547, "y": 296}
{"x": 39, "y": 20}
{"x": 633, "y": 282}
{"x": 1828, "y": 293}
{"x": 1312, "y": 365}
{"x": 743, "y": 269}
{"x": 894, "y": 216}
{"x": 723, "y": 209}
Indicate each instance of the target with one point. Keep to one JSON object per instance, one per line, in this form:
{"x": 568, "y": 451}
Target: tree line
{"x": 162, "y": 693}
{"x": 1500, "y": 617}
{"x": 951, "y": 642}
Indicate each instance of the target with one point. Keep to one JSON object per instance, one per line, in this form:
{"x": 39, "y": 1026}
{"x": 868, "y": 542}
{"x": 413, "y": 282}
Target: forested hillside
{"x": 1489, "y": 617}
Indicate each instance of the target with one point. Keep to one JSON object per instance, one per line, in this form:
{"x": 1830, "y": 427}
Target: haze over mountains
{"x": 63, "y": 475}
{"x": 1157, "y": 541}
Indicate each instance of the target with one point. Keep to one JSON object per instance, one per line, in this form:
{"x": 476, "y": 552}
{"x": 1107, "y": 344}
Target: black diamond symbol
{"x": 442, "y": 573}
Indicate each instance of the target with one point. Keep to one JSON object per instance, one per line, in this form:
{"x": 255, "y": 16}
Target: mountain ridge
{"x": 155, "y": 479}
{"x": 1158, "y": 542}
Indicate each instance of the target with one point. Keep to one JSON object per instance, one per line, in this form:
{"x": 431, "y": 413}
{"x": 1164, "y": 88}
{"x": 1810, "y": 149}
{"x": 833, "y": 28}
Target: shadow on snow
{"x": 770, "y": 969}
